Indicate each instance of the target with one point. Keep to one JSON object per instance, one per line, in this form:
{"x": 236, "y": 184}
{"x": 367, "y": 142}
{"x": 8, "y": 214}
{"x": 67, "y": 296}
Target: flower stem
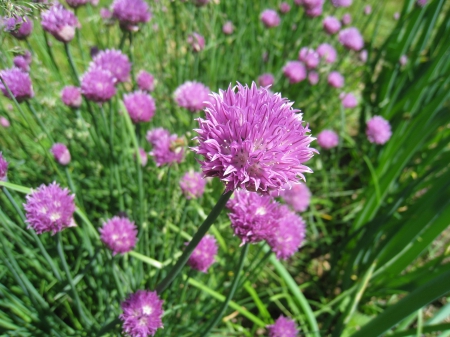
{"x": 72, "y": 64}
{"x": 176, "y": 269}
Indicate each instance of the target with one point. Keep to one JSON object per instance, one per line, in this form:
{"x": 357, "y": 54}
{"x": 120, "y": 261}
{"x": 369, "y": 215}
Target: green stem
{"x": 72, "y": 64}
{"x": 50, "y": 52}
{"x": 122, "y": 40}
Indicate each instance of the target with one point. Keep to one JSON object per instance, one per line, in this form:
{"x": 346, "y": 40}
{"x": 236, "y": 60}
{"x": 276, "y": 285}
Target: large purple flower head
{"x": 167, "y": 148}
{"x": 130, "y": 13}
{"x": 297, "y": 196}
{"x": 3, "y": 167}
{"x": 145, "y": 81}
{"x": 378, "y": 130}
{"x": 270, "y": 18}
{"x": 327, "y": 52}
{"x": 331, "y": 25}
{"x": 76, "y": 3}
{"x": 61, "y": 153}
{"x": 349, "y": 100}
{"x": 289, "y": 236}
{"x": 295, "y": 71}
{"x": 342, "y": 3}
{"x": 328, "y": 139}
{"x": 115, "y": 62}
{"x": 18, "y": 82}
{"x": 351, "y": 38}
{"x": 283, "y": 327}
{"x": 196, "y": 41}
{"x": 192, "y": 96}
{"x": 253, "y": 217}
{"x": 60, "y": 22}
{"x": 142, "y": 313}
{"x": 50, "y": 209}
{"x": 265, "y": 80}
{"x": 192, "y": 185}
{"x": 119, "y": 234}
{"x": 335, "y": 79}
{"x": 71, "y": 96}
{"x": 253, "y": 139}
{"x": 204, "y": 255}
{"x": 309, "y": 56}
{"x": 140, "y": 106}
{"x": 19, "y": 27}
{"x": 98, "y": 85}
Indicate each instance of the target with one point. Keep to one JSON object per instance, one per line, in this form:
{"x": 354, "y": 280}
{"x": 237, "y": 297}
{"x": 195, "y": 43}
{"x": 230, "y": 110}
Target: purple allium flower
{"x": 284, "y": 7}
{"x": 368, "y": 10}
{"x": 348, "y": 100}
{"x": 421, "y": 3}
{"x": 346, "y": 19}
{"x": 18, "y": 82}
{"x": 76, "y": 3}
{"x": 253, "y": 139}
{"x": 61, "y": 153}
{"x": 228, "y": 28}
{"x": 283, "y": 327}
{"x": 335, "y": 79}
{"x": 140, "y": 106}
{"x": 21, "y": 63}
{"x": 196, "y": 41}
{"x": 331, "y": 25}
{"x": 50, "y": 209}
{"x": 145, "y": 81}
{"x": 403, "y": 60}
{"x": 204, "y": 254}
{"x": 313, "y": 77}
{"x": 328, "y": 139}
{"x": 200, "y": 3}
{"x": 342, "y": 3}
{"x": 270, "y": 18}
{"x": 119, "y": 234}
{"x": 327, "y": 52}
{"x": 130, "y": 13}
{"x": 192, "y": 96}
{"x": 19, "y": 27}
{"x": 351, "y": 38}
{"x": 298, "y": 2}
{"x": 192, "y": 185}
{"x": 167, "y": 148}
{"x": 289, "y": 235}
{"x": 115, "y": 62}
{"x": 265, "y": 80}
{"x": 71, "y": 96}
{"x": 105, "y": 13}
{"x": 309, "y": 56}
{"x": 314, "y": 12}
{"x": 396, "y": 16}
{"x": 297, "y": 196}
{"x": 3, "y": 167}
{"x": 60, "y": 22}
{"x": 98, "y": 85}
{"x": 363, "y": 55}
{"x": 295, "y": 71}
{"x": 378, "y": 130}
{"x": 144, "y": 157}
{"x": 4, "y": 122}
{"x": 142, "y": 313}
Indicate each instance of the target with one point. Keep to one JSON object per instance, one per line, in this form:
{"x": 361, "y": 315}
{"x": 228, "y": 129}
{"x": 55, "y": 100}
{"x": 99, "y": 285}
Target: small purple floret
{"x": 130, "y": 13}
{"x": 295, "y": 71}
{"x": 298, "y": 197}
{"x": 313, "y": 77}
{"x": 140, "y": 106}
{"x": 331, "y": 25}
{"x": 71, "y": 96}
{"x": 4, "y": 122}
{"x": 192, "y": 185}
{"x": 228, "y": 28}
{"x": 167, "y": 148}
{"x": 21, "y": 63}
{"x": 378, "y": 130}
{"x": 196, "y": 41}
{"x": 265, "y": 80}
{"x": 204, "y": 255}
{"x": 328, "y": 139}
{"x": 19, "y": 27}
{"x": 342, "y": 3}
{"x": 119, "y": 234}
{"x": 284, "y": 7}
{"x": 60, "y": 22}
{"x": 61, "y": 153}
{"x": 145, "y": 81}
{"x": 3, "y": 167}
{"x": 270, "y": 18}
{"x": 18, "y": 82}
{"x": 97, "y": 85}
{"x": 115, "y": 62}
{"x": 349, "y": 100}
{"x": 192, "y": 96}
{"x": 283, "y": 327}
{"x": 76, "y": 3}
{"x": 351, "y": 38}
{"x": 327, "y": 52}
{"x": 335, "y": 79}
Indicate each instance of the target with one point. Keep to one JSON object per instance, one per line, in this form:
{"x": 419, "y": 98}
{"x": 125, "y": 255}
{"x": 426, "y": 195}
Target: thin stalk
{"x": 78, "y": 35}
{"x": 122, "y": 39}
{"x": 72, "y": 64}
{"x": 50, "y": 52}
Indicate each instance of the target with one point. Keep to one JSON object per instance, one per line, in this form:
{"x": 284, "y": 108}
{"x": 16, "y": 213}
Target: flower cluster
{"x": 313, "y": 8}
{"x": 192, "y": 96}
{"x": 270, "y": 18}
{"x": 335, "y": 79}
{"x": 348, "y": 100}
{"x": 18, "y": 82}
{"x": 71, "y": 96}
{"x": 140, "y": 106}
{"x": 327, "y": 52}
{"x": 265, "y": 80}
{"x": 167, "y": 148}
{"x": 131, "y": 13}
{"x": 98, "y": 85}
{"x": 60, "y": 22}
{"x": 351, "y": 39}
{"x": 145, "y": 81}
{"x": 115, "y": 62}
{"x": 328, "y": 139}
{"x": 297, "y": 196}
{"x": 283, "y": 327}
{"x": 196, "y": 41}
{"x": 19, "y": 27}
{"x": 331, "y": 25}
{"x": 119, "y": 234}
{"x": 228, "y": 28}
{"x": 61, "y": 153}
{"x": 378, "y": 130}
{"x": 3, "y": 167}
{"x": 204, "y": 254}
{"x": 192, "y": 185}
{"x": 295, "y": 71}
{"x": 309, "y": 56}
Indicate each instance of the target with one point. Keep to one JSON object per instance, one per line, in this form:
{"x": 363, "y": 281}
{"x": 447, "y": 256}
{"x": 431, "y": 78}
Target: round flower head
{"x": 368, "y": 10}
{"x": 363, "y": 56}
{"x": 421, "y": 3}
{"x": 71, "y": 96}
{"x": 19, "y": 27}
{"x": 346, "y": 19}
{"x": 228, "y": 28}
{"x": 204, "y": 254}
{"x": 3, "y": 167}
{"x": 60, "y": 22}
{"x": 192, "y": 96}
{"x": 115, "y": 62}
{"x": 253, "y": 139}
{"x": 106, "y": 14}
{"x": 18, "y": 82}
{"x": 314, "y": 11}
{"x": 295, "y": 71}
{"x": 167, "y": 148}
{"x": 313, "y": 78}
{"x": 4, "y": 122}
{"x": 331, "y": 25}
{"x": 98, "y": 85}
{"x": 298, "y": 2}
{"x": 378, "y": 130}
{"x": 192, "y": 185}
{"x": 145, "y": 81}
{"x": 270, "y": 18}
{"x": 335, "y": 79}
{"x": 298, "y": 197}
{"x": 396, "y": 15}
{"x": 21, "y": 63}
{"x": 349, "y": 101}
{"x": 403, "y": 60}
{"x": 196, "y": 41}
{"x": 140, "y": 106}
{"x": 253, "y": 217}
{"x": 289, "y": 235}
{"x": 309, "y": 56}
{"x": 130, "y": 13}
{"x": 61, "y": 153}
{"x": 119, "y": 234}
{"x": 144, "y": 157}
{"x": 284, "y": 7}
{"x": 283, "y": 327}
{"x": 342, "y": 3}
{"x": 265, "y": 80}
{"x": 328, "y": 139}
{"x": 351, "y": 38}
{"x": 142, "y": 313}
{"x": 327, "y": 52}
{"x": 50, "y": 209}
{"x": 76, "y": 3}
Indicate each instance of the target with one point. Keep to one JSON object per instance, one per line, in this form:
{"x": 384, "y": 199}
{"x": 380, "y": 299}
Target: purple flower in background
{"x": 4, "y": 122}
{"x": 105, "y": 13}
{"x": 335, "y": 79}
{"x": 60, "y": 22}
{"x": 228, "y": 28}
{"x": 327, "y": 139}
{"x": 284, "y": 7}
{"x": 342, "y": 3}
{"x": 76, "y": 3}
{"x": 61, "y": 153}
{"x": 21, "y": 63}
{"x": 71, "y": 96}
{"x": 297, "y": 196}
{"x": 144, "y": 157}
{"x": 167, "y": 148}
{"x": 348, "y": 100}
{"x": 50, "y": 209}
{"x": 265, "y": 80}
{"x": 192, "y": 96}
{"x": 351, "y": 38}
{"x": 270, "y": 18}
{"x": 309, "y": 56}
{"x": 97, "y": 85}
{"x": 119, "y": 234}
{"x": 140, "y": 106}
{"x": 253, "y": 139}
{"x": 283, "y": 327}
{"x": 346, "y": 19}
{"x": 204, "y": 255}
{"x": 295, "y": 71}
{"x": 421, "y": 3}
{"x": 396, "y": 15}
{"x": 327, "y": 52}
{"x": 18, "y": 82}
{"x": 378, "y": 130}
{"x": 314, "y": 12}
{"x": 363, "y": 55}
{"x": 298, "y": 2}
{"x": 142, "y": 312}
{"x": 313, "y": 77}
{"x": 196, "y": 41}
{"x": 145, "y": 81}
{"x": 130, "y": 13}
{"x": 192, "y": 185}
{"x": 3, "y": 167}
{"x": 331, "y": 25}
{"x": 19, "y": 27}
{"x": 368, "y": 10}
{"x": 403, "y": 60}
{"x": 115, "y": 62}
{"x": 200, "y": 3}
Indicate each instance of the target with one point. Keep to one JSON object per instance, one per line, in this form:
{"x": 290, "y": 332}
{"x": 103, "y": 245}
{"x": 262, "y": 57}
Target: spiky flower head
{"x": 21, "y": 63}
{"x": 115, "y": 62}
{"x": 145, "y": 81}
{"x": 61, "y": 153}
{"x": 196, "y": 41}
{"x": 76, "y": 3}
{"x": 346, "y": 19}
{"x": 295, "y": 71}
{"x": 327, "y": 52}
{"x": 71, "y": 96}
{"x": 50, "y": 209}
{"x": 3, "y": 167}
{"x": 140, "y": 106}
{"x": 313, "y": 77}
{"x": 192, "y": 96}
{"x": 253, "y": 139}
{"x": 19, "y": 27}
{"x": 328, "y": 139}
{"x": 97, "y": 85}
{"x": 270, "y": 18}
{"x": 18, "y": 82}
{"x": 378, "y": 130}
{"x": 349, "y": 100}
{"x": 131, "y": 13}
{"x": 284, "y": 7}
{"x": 167, "y": 148}
{"x": 204, "y": 255}
{"x": 310, "y": 57}
{"x": 342, "y": 3}
{"x": 192, "y": 185}
{"x": 331, "y": 25}
{"x": 351, "y": 38}
{"x": 60, "y": 22}
{"x": 119, "y": 234}
{"x": 4, "y": 122}
{"x": 283, "y": 327}
{"x": 142, "y": 312}
{"x": 265, "y": 80}
{"x": 335, "y": 79}
{"x": 228, "y": 28}
{"x": 297, "y": 196}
